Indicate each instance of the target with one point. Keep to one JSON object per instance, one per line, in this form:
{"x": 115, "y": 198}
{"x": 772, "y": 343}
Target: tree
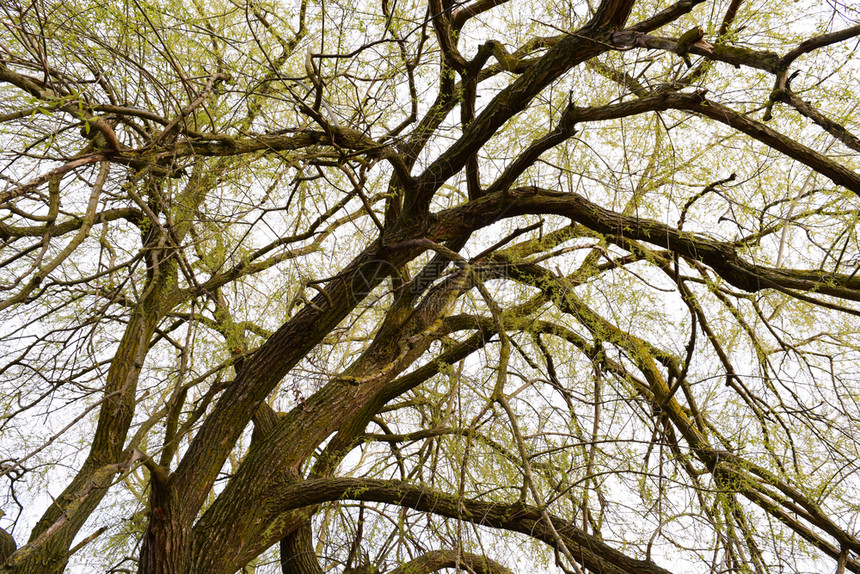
{"x": 484, "y": 286}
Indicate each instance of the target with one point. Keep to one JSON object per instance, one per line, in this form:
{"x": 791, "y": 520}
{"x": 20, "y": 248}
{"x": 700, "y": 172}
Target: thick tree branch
{"x": 721, "y": 256}
{"x": 436, "y": 560}
{"x": 590, "y": 550}
{"x": 806, "y": 109}
{"x": 819, "y": 42}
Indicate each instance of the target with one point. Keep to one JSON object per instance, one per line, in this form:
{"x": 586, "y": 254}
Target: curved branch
{"x": 767, "y": 61}
{"x": 697, "y": 103}
{"x": 837, "y": 173}
{"x": 670, "y": 14}
{"x": 819, "y": 42}
{"x": 590, "y": 550}
{"x": 128, "y": 213}
{"x": 440, "y": 559}
{"x": 464, "y": 13}
{"x": 297, "y": 552}
{"x": 721, "y": 256}
{"x": 805, "y": 109}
